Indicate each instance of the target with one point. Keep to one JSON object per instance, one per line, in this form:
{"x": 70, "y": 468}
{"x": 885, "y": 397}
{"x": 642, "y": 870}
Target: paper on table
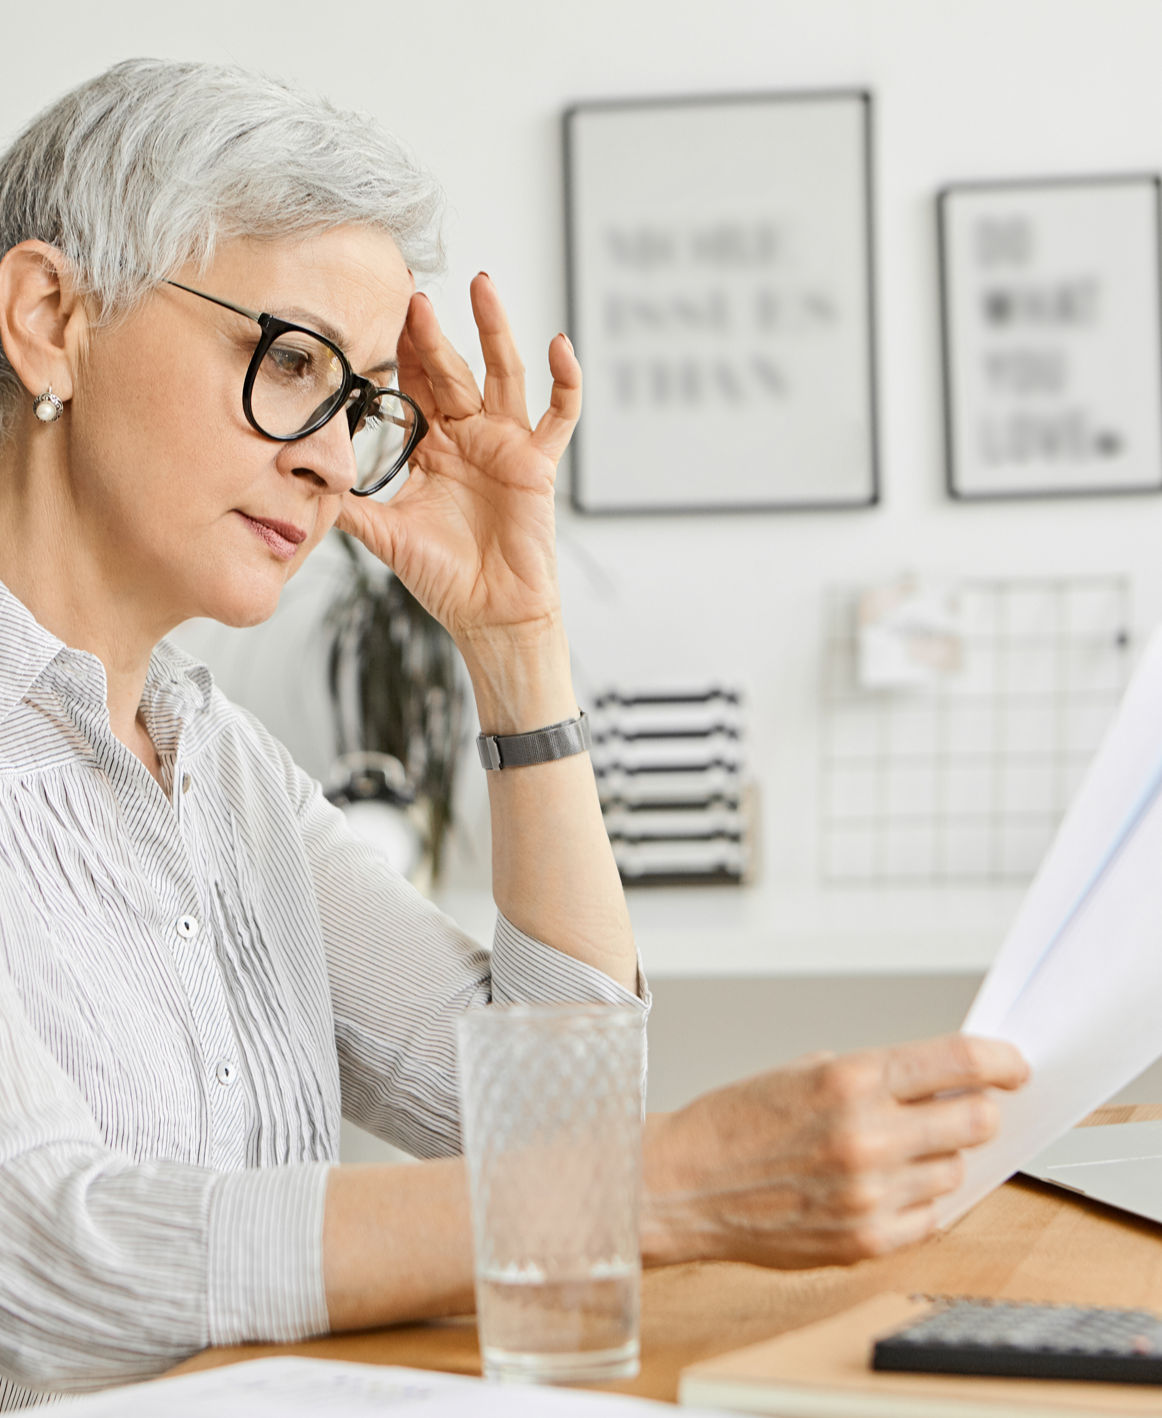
{"x": 296, "y": 1388}
{"x": 1077, "y": 984}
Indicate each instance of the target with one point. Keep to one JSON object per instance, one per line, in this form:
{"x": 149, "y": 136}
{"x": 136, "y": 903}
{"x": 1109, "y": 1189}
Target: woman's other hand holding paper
{"x": 827, "y": 1161}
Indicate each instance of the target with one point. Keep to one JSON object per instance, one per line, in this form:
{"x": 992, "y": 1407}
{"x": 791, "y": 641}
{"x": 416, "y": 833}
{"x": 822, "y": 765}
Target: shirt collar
{"x": 174, "y": 673}
{"x": 27, "y": 649}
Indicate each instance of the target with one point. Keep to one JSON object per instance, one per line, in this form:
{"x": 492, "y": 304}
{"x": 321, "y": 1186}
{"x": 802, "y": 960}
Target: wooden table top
{"x": 1027, "y": 1241}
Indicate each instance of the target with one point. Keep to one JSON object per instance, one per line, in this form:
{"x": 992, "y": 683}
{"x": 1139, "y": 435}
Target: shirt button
{"x": 187, "y": 782}
{"x": 187, "y": 927}
{"x": 224, "y": 1072}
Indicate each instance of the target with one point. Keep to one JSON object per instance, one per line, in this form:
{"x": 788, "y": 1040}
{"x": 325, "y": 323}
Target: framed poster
{"x": 720, "y": 301}
{"x": 1052, "y": 336}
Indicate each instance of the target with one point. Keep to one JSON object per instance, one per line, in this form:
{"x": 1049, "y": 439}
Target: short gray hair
{"x": 150, "y": 164}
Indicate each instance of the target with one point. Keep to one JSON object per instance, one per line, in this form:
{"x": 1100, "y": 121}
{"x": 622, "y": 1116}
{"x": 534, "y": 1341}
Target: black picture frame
{"x": 1051, "y": 336}
{"x": 811, "y": 205}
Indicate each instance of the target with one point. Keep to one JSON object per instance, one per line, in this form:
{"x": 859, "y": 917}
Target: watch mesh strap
{"x": 561, "y": 740}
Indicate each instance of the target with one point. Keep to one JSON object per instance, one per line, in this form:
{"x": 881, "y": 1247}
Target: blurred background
{"x": 898, "y": 697}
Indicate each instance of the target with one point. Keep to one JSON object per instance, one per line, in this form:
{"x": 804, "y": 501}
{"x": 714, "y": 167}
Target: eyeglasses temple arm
{"x": 225, "y": 304}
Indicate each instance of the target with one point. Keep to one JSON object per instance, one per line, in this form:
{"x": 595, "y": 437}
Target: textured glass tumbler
{"x": 552, "y": 1114}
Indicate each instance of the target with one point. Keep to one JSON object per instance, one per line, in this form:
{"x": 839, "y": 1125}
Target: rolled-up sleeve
{"x": 264, "y": 1242}
{"x": 527, "y": 971}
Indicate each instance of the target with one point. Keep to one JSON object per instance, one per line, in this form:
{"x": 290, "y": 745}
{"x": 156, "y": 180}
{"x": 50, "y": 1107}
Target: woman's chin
{"x": 240, "y": 611}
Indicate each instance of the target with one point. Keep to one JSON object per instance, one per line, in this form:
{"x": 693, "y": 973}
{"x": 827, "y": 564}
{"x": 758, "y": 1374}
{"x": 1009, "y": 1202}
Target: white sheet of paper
{"x": 1129, "y": 754}
{"x": 314, "y": 1388}
{"x": 1077, "y": 984}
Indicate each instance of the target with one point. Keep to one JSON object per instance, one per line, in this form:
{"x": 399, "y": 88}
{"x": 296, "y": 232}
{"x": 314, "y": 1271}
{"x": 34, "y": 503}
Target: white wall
{"x": 982, "y": 89}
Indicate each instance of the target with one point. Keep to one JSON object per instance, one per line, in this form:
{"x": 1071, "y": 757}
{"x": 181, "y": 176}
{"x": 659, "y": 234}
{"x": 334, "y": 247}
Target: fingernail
{"x": 485, "y": 274}
{"x": 567, "y": 340}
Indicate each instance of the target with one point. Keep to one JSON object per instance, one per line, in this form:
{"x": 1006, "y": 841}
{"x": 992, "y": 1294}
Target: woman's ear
{"x": 43, "y": 321}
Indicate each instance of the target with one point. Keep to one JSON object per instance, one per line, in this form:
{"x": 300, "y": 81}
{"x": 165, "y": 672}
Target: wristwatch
{"x": 561, "y": 740}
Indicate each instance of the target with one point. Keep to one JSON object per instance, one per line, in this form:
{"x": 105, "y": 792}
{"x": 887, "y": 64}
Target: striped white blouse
{"x": 194, "y": 984}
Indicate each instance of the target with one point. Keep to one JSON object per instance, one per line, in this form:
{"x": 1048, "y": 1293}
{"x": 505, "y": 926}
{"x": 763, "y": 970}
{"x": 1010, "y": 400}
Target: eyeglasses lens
{"x": 383, "y": 438}
{"x": 296, "y": 384}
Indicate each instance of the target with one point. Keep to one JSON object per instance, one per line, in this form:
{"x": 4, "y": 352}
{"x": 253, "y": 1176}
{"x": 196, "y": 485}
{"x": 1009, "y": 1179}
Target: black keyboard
{"x": 1012, "y": 1339}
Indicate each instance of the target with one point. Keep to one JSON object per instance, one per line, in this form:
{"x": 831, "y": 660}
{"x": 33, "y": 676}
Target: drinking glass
{"x": 552, "y": 1116}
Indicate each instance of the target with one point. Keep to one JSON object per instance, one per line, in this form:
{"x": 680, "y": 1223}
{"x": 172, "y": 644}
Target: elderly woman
{"x": 207, "y": 307}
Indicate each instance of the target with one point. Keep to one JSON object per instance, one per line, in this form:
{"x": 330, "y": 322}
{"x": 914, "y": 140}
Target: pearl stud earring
{"x": 47, "y": 406}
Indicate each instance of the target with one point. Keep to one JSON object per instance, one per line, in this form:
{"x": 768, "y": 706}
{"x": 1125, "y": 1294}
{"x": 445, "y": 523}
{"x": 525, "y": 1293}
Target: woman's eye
{"x": 290, "y": 361}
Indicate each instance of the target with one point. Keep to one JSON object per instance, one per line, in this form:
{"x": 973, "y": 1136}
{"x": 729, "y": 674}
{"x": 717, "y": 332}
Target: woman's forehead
{"x": 350, "y": 282}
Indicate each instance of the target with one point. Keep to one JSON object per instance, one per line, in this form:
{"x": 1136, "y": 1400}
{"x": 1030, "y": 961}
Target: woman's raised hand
{"x": 471, "y": 534}
{"x": 827, "y": 1161}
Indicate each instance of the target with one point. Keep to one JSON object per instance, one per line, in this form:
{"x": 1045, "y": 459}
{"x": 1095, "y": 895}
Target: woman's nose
{"x": 327, "y": 456}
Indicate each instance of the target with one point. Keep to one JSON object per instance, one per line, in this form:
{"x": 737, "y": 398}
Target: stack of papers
{"x": 1077, "y": 984}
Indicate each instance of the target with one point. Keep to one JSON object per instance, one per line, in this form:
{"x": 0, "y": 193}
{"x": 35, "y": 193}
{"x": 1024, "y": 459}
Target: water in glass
{"x": 543, "y": 1330}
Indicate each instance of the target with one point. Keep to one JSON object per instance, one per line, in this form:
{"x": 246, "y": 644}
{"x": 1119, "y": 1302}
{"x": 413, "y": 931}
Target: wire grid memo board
{"x": 966, "y": 783}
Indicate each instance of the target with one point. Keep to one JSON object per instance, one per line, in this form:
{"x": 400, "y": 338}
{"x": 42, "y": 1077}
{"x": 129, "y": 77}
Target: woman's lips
{"x": 282, "y": 538}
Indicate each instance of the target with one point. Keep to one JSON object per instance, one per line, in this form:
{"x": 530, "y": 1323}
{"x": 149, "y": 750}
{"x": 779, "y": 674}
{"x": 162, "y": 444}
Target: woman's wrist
{"x": 668, "y": 1228}
{"x": 521, "y": 677}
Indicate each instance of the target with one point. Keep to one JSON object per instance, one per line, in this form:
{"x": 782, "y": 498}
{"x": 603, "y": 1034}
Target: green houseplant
{"x": 397, "y": 690}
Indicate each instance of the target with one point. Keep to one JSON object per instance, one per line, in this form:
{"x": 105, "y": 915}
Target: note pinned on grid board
{"x": 313, "y": 1388}
{"x": 910, "y": 635}
{"x": 1077, "y": 983}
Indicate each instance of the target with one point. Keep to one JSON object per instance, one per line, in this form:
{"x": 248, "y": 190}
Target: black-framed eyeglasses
{"x": 298, "y": 380}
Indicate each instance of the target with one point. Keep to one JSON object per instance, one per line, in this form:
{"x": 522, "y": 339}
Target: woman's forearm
{"x": 553, "y": 872}
{"x": 397, "y": 1243}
